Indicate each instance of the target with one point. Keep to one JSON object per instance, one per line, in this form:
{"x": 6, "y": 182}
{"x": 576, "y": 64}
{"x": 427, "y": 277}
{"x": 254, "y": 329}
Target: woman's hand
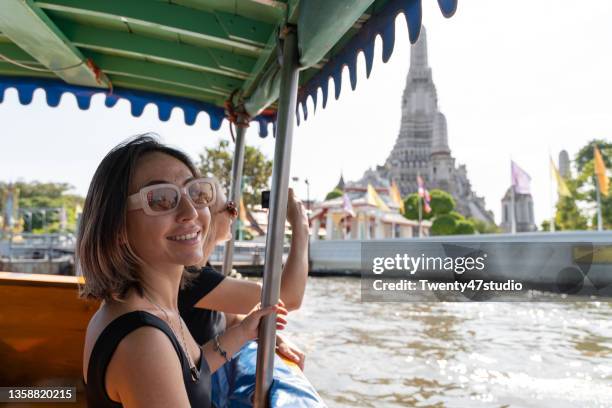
{"x": 248, "y": 326}
{"x": 290, "y": 351}
{"x": 296, "y": 213}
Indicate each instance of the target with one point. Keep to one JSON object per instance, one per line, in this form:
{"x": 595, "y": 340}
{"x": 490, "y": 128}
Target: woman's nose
{"x": 186, "y": 210}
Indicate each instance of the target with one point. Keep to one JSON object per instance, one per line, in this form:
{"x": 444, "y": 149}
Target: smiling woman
{"x": 145, "y": 216}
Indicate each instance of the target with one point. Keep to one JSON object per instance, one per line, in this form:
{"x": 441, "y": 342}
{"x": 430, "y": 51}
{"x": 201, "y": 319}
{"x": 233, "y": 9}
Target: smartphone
{"x": 265, "y": 199}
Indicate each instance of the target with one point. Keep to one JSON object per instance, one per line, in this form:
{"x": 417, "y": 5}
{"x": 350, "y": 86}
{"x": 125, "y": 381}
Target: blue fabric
{"x": 54, "y": 89}
{"x": 381, "y": 23}
{"x": 233, "y": 385}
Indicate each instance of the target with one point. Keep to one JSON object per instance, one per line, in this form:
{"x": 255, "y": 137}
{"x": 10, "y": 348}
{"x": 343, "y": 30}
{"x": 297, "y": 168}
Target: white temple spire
{"x": 418, "y": 55}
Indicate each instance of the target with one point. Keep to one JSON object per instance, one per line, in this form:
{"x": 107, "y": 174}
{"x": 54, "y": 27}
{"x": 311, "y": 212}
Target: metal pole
{"x": 307, "y": 194}
{"x": 599, "y": 218}
{"x": 278, "y": 212}
{"x": 420, "y": 206}
{"x": 235, "y": 188}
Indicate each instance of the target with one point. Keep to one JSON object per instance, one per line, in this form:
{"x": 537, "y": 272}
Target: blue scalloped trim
{"x": 379, "y": 24}
{"x": 54, "y": 89}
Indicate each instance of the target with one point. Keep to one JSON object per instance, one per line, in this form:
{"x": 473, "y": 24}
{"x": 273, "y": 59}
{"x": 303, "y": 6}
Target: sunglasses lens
{"x": 201, "y": 193}
{"x": 162, "y": 199}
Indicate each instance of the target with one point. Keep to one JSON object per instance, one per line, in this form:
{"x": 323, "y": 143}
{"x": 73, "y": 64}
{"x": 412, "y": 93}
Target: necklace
{"x": 195, "y": 374}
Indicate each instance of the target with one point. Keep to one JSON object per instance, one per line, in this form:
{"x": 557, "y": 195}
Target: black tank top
{"x": 198, "y": 392}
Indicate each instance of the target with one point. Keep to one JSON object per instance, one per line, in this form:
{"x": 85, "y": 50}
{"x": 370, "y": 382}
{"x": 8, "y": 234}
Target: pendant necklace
{"x": 195, "y": 374}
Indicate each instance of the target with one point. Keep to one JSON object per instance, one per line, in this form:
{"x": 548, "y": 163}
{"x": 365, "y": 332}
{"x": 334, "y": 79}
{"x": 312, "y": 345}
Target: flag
{"x": 562, "y": 189}
{"x": 396, "y": 196}
{"x": 337, "y": 218}
{"x": 601, "y": 172}
{"x": 520, "y": 179}
{"x": 374, "y": 199}
{"x": 347, "y": 206}
{"x": 424, "y": 194}
{"x": 421, "y": 185}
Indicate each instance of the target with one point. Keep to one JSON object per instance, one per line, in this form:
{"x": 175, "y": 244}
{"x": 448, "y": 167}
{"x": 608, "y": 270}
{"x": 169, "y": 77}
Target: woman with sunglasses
{"x": 145, "y": 217}
{"x": 211, "y": 302}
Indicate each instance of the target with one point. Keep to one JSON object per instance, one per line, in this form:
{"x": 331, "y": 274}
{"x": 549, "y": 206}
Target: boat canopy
{"x": 216, "y": 56}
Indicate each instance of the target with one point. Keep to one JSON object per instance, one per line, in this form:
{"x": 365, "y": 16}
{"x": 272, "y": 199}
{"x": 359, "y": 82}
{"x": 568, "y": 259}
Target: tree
{"x": 585, "y": 155}
{"x": 217, "y": 161}
{"x": 484, "y": 227}
{"x": 34, "y": 195}
{"x": 335, "y": 193}
{"x": 458, "y": 217}
{"x": 446, "y": 221}
{"x": 411, "y": 208}
{"x": 444, "y": 224}
{"x": 464, "y": 227}
{"x": 583, "y": 188}
{"x": 441, "y": 202}
{"x": 567, "y": 215}
{"x": 546, "y": 226}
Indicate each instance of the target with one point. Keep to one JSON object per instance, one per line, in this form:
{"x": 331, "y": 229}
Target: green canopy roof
{"x": 198, "y": 50}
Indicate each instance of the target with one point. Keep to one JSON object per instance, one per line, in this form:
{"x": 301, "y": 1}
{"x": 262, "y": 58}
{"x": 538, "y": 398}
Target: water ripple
{"x": 453, "y": 354}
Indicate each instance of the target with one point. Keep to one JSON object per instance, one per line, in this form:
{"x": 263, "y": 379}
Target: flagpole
{"x": 419, "y": 207}
{"x": 599, "y": 218}
{"x": 512, "y": 201}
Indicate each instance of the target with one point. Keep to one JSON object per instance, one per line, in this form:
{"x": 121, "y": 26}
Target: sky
{"x": 515, "y": 79}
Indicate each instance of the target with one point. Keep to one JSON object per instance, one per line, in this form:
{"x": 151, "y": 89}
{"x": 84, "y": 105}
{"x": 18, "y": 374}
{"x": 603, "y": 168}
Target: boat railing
{"x": 36, "y": 246}
{"x": 245, "y": 252}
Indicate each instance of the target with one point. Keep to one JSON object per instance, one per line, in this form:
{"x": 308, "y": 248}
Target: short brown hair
{"x": 103, "y": 253}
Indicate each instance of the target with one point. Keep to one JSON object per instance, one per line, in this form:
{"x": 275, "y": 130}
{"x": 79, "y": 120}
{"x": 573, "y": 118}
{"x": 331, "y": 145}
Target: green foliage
{"x": 335, "y": 193}
{"x": 217, "y": 161}
{"x": 483, "y": 227}
{"x": 464, "y": 227}
{"x": 545, "y": 226}
{"x": 585, "y": 155}
{"x": 444, "y": 224}
{"x": 441, "y": 202}
{"x": 570, "y": 214}
{"x": 456, "y": 216}
{"x": 446, "y": 221}
{"x": 34, "y": 195}
{"x": 411, "y": 208}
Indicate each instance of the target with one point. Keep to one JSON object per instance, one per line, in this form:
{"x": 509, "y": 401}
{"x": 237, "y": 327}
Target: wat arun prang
{"x": 422, "y": 144}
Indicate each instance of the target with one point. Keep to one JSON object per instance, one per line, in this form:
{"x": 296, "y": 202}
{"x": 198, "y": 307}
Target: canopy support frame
{"x": 278, "y": 212}
{"x": 235, "y": 194}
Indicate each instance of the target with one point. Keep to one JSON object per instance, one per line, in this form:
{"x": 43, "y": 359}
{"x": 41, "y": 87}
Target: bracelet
{"x": 219, "y": 349}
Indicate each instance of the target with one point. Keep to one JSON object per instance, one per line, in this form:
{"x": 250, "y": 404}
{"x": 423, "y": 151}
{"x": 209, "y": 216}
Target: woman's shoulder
{"x": 199, "y": 283}
{"x": 108, "y": 313}
{"x": 139, "y": 358}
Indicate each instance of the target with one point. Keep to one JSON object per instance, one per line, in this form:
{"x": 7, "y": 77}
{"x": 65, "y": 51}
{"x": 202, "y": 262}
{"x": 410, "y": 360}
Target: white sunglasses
{"x": 160, "y": 199}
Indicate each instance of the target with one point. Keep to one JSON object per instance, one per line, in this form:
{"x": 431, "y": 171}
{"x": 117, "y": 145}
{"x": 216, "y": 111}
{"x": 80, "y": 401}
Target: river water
{"x": 556, "y": 354}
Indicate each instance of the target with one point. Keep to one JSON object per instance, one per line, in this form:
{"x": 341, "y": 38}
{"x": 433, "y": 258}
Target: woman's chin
{"x": 193, "y": 258}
